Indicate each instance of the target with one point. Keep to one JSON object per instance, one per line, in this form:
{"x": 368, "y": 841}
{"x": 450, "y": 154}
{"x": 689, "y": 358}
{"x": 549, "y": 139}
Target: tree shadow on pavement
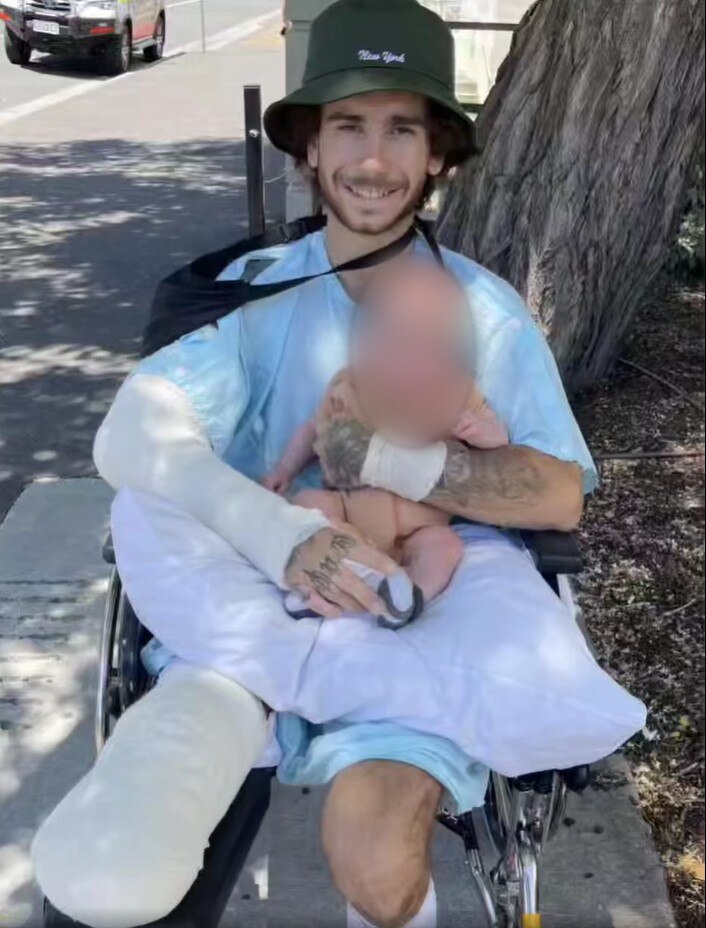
{"x": 87, "y": 229}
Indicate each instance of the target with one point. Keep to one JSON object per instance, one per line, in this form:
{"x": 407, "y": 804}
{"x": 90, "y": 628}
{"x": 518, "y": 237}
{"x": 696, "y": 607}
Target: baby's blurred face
{"x": 411, "y": 352}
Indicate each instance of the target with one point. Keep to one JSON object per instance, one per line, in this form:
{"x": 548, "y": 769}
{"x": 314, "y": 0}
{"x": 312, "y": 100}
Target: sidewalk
{"x": 109, "y": 192}
{"x": 601, "y": 870}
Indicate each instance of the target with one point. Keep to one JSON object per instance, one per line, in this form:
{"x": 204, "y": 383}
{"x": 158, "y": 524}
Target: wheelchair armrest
{"x": 554, "y": 552}
{"x": 108, "y": 551}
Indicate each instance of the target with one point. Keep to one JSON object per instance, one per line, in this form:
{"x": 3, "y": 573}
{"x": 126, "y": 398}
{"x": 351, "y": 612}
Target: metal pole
{"x": 253, "y": 159}
{"x": 202, "y": 8}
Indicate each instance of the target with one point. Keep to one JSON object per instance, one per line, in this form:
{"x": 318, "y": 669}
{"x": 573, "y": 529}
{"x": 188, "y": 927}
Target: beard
{"x": 348, "y": 216}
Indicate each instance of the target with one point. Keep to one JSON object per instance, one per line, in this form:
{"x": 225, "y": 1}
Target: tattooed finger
{"x": 319, "y": 580}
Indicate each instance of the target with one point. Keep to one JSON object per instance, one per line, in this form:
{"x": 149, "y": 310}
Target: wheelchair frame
{"x": 503, "y": 842}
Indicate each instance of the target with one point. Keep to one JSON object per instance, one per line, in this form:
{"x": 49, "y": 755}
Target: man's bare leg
{"x": 377, "y": 829}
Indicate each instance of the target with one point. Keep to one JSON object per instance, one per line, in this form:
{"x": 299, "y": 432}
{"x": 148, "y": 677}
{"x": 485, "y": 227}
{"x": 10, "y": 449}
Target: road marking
{"x": 215, "y": 43}
{"x": 233, "y": 34}
{"x": 43, "y": 103}
{"x": 239, "y": 32}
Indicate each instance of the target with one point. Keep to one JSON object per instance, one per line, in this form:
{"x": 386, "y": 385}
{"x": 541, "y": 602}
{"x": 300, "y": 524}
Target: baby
{"x": 410, "y": 378}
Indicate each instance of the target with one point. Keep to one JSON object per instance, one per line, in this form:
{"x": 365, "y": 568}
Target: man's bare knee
{"x": 376, "y": 833}
{"x": 387, "y": 885}
{"x": 392, "y": 901}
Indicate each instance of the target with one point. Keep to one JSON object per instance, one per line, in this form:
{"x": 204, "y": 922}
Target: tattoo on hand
{"x": 320, "y": 580}
{"x": 343, "y": 543}
{"x": 330, "y": 564}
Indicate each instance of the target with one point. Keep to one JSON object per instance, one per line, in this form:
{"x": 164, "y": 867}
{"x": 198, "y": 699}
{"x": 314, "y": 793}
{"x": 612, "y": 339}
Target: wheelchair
{"x": 502, "y": 842}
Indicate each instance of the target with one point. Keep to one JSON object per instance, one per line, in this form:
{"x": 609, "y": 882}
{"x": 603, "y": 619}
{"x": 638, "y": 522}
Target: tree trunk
{"x": 591, "y": 140}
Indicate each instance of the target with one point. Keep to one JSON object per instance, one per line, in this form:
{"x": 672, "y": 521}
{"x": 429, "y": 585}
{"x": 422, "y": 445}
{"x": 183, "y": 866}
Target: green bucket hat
{"x": 364, "y": 46}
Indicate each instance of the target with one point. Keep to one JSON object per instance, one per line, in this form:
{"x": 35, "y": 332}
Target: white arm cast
{"x": 152, "y": 440}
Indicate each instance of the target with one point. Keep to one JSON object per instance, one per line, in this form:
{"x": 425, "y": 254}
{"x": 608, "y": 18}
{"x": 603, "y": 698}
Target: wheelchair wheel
{"x": 122, "y": 679}
{"x": 493, "y": 818}
{"x": 107, "y": 702}
{"x": 521, "y": 816}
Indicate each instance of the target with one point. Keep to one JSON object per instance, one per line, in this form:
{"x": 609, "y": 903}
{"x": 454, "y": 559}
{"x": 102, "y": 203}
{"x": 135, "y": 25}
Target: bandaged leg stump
{"x": 126, "y": 844}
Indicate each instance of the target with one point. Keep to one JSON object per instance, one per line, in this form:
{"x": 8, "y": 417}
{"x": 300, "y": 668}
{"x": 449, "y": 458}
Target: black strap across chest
{"x": 193, "y": 296}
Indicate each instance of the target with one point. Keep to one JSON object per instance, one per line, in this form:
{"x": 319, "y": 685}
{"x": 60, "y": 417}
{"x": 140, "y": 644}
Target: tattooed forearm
{"x": 342, "y": 446}
{"x": 513, "y": 486}
{"x": 484, "y": 474}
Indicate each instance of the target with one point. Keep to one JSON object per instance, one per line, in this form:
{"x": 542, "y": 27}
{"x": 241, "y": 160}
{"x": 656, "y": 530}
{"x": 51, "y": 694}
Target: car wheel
{"x": 17, "y": 50}
{"x": 118, "y": 54}
{"x": 155, "y": 52}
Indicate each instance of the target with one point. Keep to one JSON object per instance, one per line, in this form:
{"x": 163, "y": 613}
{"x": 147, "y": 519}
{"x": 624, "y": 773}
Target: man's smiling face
{"x": 372, "y": 157}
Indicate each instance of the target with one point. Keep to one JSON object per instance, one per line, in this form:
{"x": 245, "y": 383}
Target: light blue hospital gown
{"x": 263, "y": 371}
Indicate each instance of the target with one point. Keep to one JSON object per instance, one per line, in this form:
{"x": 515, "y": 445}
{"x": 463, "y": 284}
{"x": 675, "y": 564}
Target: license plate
{"x": 48, "y": 28}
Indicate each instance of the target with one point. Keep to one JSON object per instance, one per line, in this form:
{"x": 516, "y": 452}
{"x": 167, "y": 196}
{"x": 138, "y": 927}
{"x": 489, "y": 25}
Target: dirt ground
{"x": 643, "y": 590}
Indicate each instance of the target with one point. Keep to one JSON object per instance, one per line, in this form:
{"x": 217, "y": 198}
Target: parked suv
{"x": 110, "y": 30}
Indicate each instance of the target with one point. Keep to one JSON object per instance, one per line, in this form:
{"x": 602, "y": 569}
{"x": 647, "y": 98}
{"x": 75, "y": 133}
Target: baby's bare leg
{"x": 328, "y": 501}
{"x": 430, "y": 556}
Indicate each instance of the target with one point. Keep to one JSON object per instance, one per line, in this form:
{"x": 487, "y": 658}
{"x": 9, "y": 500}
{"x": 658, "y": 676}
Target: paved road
{"x": 105, "y": 186}
{"x": 48, "y": 75}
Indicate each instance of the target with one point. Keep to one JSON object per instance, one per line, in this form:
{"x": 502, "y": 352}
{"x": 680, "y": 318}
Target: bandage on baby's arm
{"x": 409, "y": 472}
{"x": 152, "y": 440}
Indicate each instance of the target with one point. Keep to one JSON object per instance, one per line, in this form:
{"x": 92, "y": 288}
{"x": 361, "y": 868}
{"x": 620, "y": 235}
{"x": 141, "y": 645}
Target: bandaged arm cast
{"x": 153, "y": 441}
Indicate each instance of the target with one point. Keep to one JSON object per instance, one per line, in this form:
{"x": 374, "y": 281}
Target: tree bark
{"x": 591, "y": 140}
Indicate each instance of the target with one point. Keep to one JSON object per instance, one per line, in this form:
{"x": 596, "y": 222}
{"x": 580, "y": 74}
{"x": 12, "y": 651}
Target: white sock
{"x": 425, "y": 917}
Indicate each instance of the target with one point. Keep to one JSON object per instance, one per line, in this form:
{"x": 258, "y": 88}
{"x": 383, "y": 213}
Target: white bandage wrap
{"x": 409, "y": 472}
{"x": 152, "y": 440}
{"x": 125, "y": 845}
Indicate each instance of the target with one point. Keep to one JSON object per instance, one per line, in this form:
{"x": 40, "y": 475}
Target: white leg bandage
{"x": 409, "y": 472}
{"x": 125, "y": 845}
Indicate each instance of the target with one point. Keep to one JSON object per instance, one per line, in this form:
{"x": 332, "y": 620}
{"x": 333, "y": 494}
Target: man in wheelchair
{"x": 494, "y": 674}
